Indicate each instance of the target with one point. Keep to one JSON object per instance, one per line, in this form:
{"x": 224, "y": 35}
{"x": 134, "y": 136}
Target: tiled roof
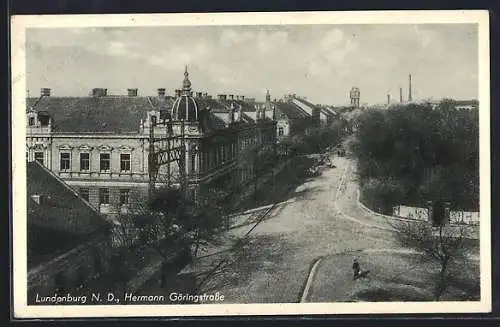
{"x": 221, "y": 117}
{"x": 122, "y": 114}
{"x": 328, "y": 111}
{"x": 466, "y": 102}
{"x": 60, "y": 207}
{"x": 214, "y": 121}
{"x": 289, "y": 111}
{"x": 60, "y": 220}
{"x": 118, "y": 114}
{"x": 214, "y": 105}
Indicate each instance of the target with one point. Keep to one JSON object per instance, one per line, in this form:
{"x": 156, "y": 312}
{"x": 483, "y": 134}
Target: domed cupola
{"x": 185, "y": 106}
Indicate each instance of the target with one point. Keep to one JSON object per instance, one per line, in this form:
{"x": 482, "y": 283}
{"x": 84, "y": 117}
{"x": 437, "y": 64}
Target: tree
{"x": 174, "y": 225}
{"x": 432, "y": 154}
{"x": 448, "y": 245}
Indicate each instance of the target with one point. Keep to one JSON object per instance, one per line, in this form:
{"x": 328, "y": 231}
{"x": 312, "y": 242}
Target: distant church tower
{"x": 354, "y": 95}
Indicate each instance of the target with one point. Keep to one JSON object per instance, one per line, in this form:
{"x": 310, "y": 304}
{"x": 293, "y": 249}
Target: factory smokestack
{"x": 401, "y": 94}
{"x": 409, "y": 87}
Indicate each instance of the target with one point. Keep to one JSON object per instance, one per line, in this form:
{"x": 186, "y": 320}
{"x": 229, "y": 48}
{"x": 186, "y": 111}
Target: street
{"x": 273, "y": 266}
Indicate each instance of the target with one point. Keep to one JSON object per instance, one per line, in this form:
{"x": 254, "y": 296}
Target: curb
{"x": 310, "y": 278}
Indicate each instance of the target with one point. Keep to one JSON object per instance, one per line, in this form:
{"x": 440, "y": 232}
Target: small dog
{"x": 363, "y": 274}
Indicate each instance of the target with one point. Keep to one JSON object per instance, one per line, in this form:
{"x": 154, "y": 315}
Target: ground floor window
{"x": 103, "y": 196}
{"x": 124, "y": 197}
{"x": 84, "y": 193}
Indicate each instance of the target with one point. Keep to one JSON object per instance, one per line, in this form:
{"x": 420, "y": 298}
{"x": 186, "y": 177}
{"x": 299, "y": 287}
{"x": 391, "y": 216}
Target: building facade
{"x": 102, "y": 145}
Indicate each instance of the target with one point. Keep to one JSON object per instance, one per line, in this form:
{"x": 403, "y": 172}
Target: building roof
{"x": 103, "y": 114}
{"x": 60, "y": 206}
{"x": 58, "y": 218}
{"x": 329, "y": 111}
{"x": 286, "y": 110}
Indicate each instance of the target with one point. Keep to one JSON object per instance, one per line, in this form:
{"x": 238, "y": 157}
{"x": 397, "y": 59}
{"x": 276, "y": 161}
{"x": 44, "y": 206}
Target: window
{"x": 105, "y": 161}
{"x": 193, "y": 163}
{"x": 65, "y": 162}
{"x": 84, "y": 161}
{"x": 84, "y": 193}
{"x": 39, "y": 157}
{"x": 103, "y": 196}
{"x": 124, "y": 197}
{"x": 281, "y": 131}
{"x": 125, "y": 162}
{"x": 32, "y": 121}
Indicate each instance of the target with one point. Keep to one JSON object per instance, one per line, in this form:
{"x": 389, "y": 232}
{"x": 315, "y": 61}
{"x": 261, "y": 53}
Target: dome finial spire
{"x": 186, "y": 84}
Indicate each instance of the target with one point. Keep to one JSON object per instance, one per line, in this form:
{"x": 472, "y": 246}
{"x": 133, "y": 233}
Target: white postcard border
{"x": 20, "y": 23}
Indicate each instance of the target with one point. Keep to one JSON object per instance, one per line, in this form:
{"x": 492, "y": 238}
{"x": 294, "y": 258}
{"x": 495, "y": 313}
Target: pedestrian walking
{"x": 356, "y": 268}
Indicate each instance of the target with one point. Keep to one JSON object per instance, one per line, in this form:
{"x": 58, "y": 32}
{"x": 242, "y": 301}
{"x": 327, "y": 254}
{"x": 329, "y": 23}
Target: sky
{"x": 319, "y": 62}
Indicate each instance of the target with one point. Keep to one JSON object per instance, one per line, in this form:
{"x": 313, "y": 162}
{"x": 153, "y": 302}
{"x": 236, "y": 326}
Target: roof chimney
{"x": 231, "y": 97}
{"x": 45, "y": 92}
{"x": 231, "y": 113}
{"x": 99, "y": 92}
{"x": 161, "y": 92}
{"x": 401, "y": 94}
{"x": 388, "y": 99}
{"x": 132, "y": 92}
{"x": 199, "y": 95}
{"x": 205, "y": 95}
{"x": 242, "y": 97}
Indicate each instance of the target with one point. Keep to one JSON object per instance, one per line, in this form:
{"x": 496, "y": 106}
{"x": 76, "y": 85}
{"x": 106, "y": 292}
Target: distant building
{"x": 354, "y": 96}
{"x": 294, "y": 115}
{"x": 68, "y": 241}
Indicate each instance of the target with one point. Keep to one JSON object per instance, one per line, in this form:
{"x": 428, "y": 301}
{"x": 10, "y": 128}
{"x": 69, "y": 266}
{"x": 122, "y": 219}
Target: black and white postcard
{"x": 251, "y": 164}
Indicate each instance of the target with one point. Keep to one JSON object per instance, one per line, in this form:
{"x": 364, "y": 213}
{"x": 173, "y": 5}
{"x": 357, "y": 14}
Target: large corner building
{"x": 113, "y": 149}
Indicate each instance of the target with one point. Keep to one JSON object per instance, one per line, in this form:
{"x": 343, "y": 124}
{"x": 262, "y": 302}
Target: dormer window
{"x": 31, "y": 121}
